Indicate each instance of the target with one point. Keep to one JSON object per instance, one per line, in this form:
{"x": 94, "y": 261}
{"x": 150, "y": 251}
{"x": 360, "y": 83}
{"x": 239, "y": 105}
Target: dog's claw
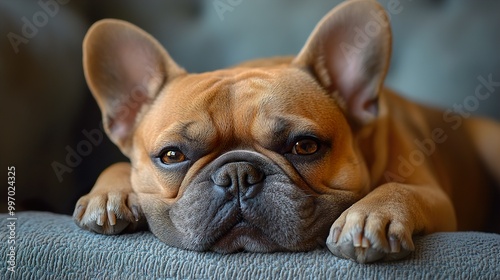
{"x": 395, "y": 244}
{"x": 111, "y": 218}
{"x": 357, "y": 239}
{"x": 365, "y": 243}
{"x": 100, "y": 220}
{"x": 78, "y": 213}
{"x": 135, "y": 212}
{"x": 335, "y": 236}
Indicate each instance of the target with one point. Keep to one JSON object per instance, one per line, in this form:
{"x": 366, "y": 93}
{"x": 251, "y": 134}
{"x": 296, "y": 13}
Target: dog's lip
{"x": 244, "y": 237}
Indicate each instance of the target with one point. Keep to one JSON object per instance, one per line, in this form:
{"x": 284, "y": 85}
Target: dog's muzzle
{"x": 242, "y": 200}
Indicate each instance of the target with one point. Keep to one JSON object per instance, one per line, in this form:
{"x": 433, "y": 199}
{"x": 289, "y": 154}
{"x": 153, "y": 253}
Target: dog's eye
{"x": 305, "y": 147}
{"x": 172, "y": 156}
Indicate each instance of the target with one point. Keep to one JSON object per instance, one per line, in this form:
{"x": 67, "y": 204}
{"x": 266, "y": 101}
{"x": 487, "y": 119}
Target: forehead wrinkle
{"x": 186, "y": 131}
{"x": 246, "y": 91}
{"x": 281, "y": 126}
{"x": 286, "y": 125}
{"x": 274, "y": 130}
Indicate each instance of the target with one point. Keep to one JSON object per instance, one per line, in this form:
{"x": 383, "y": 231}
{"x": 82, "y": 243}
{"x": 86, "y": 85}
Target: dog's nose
{"x": 241, "y": 179}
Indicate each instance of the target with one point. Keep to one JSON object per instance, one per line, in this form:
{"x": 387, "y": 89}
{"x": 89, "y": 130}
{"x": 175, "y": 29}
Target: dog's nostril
{"x": 221, "y": 178}
{"x": 253, "y": 176}
{"x": 241, "y": 174}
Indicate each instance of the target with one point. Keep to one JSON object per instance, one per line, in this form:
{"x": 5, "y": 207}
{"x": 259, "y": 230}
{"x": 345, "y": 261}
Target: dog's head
{"x": 260, "y": 157}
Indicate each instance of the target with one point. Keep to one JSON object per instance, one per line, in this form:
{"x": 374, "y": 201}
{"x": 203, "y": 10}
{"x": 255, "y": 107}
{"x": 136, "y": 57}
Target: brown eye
{"x": 305, "y": 147}
{"x": 172, "y": 156}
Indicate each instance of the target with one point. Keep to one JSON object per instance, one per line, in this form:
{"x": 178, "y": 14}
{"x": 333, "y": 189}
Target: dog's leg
{"x": 486, "y": 137}
{"x": 111, "y": 206}
{"x": 381, "y": 225}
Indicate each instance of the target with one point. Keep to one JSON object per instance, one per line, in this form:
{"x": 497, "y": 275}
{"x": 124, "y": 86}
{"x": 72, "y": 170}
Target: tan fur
{"x": 386, "y": 170}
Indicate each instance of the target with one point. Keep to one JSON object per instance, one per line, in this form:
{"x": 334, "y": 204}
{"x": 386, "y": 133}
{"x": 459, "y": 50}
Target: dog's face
{"x": 259, "y": 158}
{"x": 256, "y": 159}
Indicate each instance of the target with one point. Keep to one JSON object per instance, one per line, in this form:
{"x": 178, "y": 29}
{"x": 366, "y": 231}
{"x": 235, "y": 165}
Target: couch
{"x": 51, "y": 246}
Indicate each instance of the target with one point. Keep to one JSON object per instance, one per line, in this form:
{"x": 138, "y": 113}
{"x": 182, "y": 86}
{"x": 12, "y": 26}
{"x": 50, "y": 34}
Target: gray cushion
{"x": 51, "y": 246}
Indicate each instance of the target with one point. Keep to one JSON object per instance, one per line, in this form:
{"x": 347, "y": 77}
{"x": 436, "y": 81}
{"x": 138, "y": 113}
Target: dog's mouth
{"x": 244, "y": 237}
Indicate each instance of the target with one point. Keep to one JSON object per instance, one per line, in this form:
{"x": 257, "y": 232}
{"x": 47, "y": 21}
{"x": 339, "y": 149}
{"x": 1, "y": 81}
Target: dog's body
{"x": 277, "y": 154}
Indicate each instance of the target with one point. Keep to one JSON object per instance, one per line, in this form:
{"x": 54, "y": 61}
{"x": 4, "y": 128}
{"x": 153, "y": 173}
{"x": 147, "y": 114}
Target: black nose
{"x": 239, "y": 179}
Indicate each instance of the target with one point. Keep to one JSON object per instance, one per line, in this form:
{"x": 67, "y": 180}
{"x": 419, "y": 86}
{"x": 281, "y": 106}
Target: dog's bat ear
{"x": 125, "y": 69}
{"x": 348, "y": 52}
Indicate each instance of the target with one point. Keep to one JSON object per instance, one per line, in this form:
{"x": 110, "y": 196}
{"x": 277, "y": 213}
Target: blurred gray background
{"x": 50, "y": 125}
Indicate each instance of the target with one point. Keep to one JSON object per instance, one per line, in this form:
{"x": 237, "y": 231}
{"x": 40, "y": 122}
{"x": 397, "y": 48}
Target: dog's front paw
{"x": 368, "y": 234}
{"x": 108, "y": 213}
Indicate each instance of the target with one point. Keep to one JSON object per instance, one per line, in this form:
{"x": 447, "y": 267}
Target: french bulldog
{"x": 284, "y": 154}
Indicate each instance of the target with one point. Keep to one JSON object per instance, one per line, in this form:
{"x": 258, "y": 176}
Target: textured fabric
{"x": 51, "y": 246}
